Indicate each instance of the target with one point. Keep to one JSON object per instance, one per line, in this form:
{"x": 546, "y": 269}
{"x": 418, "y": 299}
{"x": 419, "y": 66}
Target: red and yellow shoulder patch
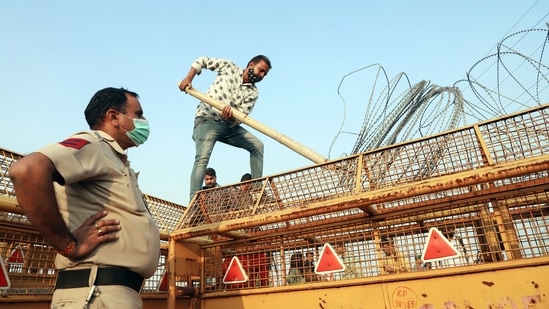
{"x": 75, "y": 143}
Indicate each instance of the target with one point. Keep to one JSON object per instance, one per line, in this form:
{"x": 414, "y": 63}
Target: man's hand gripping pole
{"x": 281, "y": 138}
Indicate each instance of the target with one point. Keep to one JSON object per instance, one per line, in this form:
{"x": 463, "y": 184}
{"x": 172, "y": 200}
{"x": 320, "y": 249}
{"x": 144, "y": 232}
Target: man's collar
{"x": 102, "y": 135}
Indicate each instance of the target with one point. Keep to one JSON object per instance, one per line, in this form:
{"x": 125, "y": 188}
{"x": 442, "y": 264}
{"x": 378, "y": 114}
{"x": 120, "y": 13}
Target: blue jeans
{"x": 207, "y": 132}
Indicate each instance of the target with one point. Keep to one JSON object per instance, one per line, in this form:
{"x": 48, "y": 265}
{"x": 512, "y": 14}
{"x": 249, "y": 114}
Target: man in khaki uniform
{"x": 83, "y": 197}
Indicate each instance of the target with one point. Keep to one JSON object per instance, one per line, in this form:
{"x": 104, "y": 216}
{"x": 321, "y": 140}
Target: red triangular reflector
{"x": 438, "y": 247}
{"x": 16, "y": 256}
{"x": 329, "y": 261}
{"x": 163, "y": 284}
{"x": 4, "y": 279}
{"x": 235, "y": 272}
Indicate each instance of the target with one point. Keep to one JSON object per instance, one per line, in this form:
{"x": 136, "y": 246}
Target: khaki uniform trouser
{"x": 107, "y": 297}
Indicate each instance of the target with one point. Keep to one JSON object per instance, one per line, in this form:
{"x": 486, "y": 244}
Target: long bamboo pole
{"x": 281, "y": 138}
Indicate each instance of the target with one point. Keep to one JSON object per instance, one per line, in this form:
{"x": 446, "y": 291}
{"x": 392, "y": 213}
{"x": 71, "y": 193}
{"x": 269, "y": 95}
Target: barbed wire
{"x": 396, "y": 110}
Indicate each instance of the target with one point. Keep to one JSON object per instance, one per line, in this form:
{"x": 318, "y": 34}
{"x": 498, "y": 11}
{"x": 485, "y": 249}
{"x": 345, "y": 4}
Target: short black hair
{"x": 210, "y": 172}
{"x": 385, "y": 241}
{"x": 449, "y": 233}
{"x": 296, "y": 260}
{"x": 245, "y": 177}
{"x": 103, "y": 100}
{"x": 259, "y": 58}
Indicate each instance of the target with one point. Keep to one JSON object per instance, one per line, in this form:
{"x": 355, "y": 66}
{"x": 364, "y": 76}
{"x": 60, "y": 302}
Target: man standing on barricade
{"x": 235, "y": 87}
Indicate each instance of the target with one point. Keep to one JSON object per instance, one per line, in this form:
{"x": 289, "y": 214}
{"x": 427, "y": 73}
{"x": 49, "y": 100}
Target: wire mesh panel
{"x": 166, "y": 214}
{"x": 441, "y": 155}
{"x": 503, "y": 140}
{"x": 29, "y": 262}
{"x": 519, "y": 136}
{"x": 6, "y": 160}
{"x": 482, "y": 188}
{"x": 395, "y": 245}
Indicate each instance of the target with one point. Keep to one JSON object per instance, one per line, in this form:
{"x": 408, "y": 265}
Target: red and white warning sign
{"x": 329, "y": 261}
{"x": 163, "y": 284}
{"x": 4, "y": 279}
{"x": 438, "y": 247}
{"x": 235, "y": 272}
{"x": 17, "y": 256}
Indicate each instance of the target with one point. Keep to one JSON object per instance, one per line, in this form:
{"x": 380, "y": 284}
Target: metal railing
{"x": 486, "y": 184}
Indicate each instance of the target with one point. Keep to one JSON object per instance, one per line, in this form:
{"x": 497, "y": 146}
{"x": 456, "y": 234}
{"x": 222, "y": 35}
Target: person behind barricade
{"x": 420, "y": 265}
{"x": 309, "y": 267}
{"x": 209, "y": 202}
{"x": 82, "y": 196}
{"x": 259, "y": 263}
{"x": 246, "y": 187}
{"x": 352, "y": 270}
{"x": 258, "y": 269}
{"x": 458, "y": 243}
{"x": 246, "y": 195}
{"x": 295, "y": 274}
{"x": 210, "y": 179}
{"x": 394, "y": 261}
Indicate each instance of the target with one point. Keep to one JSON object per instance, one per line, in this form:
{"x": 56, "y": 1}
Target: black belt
{"x": 78, "y": 278}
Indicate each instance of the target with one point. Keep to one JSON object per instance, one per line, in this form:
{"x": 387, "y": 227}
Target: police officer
{"x": 83, "y": 197}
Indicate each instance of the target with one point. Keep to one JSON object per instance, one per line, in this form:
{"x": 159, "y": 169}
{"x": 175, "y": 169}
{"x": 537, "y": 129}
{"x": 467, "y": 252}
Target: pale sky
{"x": 56, "y": 54}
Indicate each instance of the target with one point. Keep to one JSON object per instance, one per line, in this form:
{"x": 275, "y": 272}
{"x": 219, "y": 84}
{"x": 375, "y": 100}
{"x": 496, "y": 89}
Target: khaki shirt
{"x": 98, "y": 177}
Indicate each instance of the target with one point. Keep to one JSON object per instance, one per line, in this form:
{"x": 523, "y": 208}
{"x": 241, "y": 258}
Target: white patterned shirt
{"x": 227, "y": 88}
